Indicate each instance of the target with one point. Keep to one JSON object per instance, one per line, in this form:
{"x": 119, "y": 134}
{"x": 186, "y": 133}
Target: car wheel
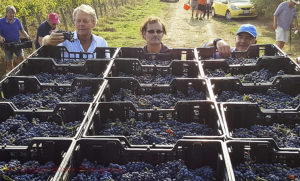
{"x": 213, "y": 13}
{"x": 228, "y": 15}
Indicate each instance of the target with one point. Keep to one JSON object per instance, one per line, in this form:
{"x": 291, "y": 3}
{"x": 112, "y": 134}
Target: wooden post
{"x": 116, "y": 4}
{"x": 95, "y": 7}
{"x": 74, "y": 3}
{"x": 111, "y": 4}
{"x": 100, "y": 7}
{"x": 104, "y": 5}
{"x": 38, "y": 18}
{"x": 70, "y": 15}
{"x": 64, "y": 19}
{"x": 24, "y": 23}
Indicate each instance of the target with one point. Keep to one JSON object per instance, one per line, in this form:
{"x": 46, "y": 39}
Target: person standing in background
{"x": 46, "y": 28}
{"x": 284, "y": 16}
{"x": 207, "y": 9}
{"x": 10, "y": 30}
{"x": 194, "y": 7}
{"x": 201, "y": 8}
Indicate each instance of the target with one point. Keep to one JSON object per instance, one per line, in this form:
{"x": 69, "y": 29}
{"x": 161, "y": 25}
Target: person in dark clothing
{"x": 46, "y": 28}
{"x": 207, "y": 9}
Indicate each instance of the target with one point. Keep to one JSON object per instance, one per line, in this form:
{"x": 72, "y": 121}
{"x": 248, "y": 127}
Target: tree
{"x": 266, "y": 7}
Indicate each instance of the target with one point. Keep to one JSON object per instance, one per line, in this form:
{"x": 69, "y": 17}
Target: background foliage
{"x": 31, "y": 8}
{"x": 266, "y": 7}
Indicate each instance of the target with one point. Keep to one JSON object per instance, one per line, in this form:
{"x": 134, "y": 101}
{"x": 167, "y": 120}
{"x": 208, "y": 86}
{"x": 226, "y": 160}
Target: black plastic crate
{"x": 282, "y": 93}
{"x": 61, "y": 54}
{"x": 48, "y": 71}
{"x": 153, "y": 73}
{"x": 247, "y": 121}
{"x": 194, "y": 154}
{"x": 253, "y": 52}
{"x": 37, "y": 157}
{"x": 23, "y": 43}
{"x": 262, "y": 160}
{"x": 265, "y": 70}
{"x": 146, "y": 96}
{"x": 20, "y": 126}
{"x": 190, "y": 120}
{"x": 46, "y": 96}
{"x": 172, "y": 54}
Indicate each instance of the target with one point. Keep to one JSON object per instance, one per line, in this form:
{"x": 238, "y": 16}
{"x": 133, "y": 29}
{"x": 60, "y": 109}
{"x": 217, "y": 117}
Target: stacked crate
{"x": 258, "y": 93}
{"x": 44, "y": 106}
{"x": 180, "y": 115}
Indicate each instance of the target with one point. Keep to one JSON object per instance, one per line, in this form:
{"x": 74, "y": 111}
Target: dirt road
{"x": 185, "y": 32}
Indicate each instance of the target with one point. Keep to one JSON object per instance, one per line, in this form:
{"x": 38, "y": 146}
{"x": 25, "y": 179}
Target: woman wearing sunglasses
{"x": 153, "y": 30}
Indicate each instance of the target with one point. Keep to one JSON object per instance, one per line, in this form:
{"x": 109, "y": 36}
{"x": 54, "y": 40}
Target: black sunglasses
{"x": 153, "y": 31}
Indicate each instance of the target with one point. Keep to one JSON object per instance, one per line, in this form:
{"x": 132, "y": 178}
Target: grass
{"x": 122, "y": 29}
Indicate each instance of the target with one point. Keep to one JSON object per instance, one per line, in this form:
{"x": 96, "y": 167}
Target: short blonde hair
{"x": 152, "y": 20}
{"x": 10, "y": 8}
{"x": 86, "y": 9}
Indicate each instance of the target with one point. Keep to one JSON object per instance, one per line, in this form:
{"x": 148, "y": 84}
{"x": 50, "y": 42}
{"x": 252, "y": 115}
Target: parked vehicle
{"x": 233, "y": 9}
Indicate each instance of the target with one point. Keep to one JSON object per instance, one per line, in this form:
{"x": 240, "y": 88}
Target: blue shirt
{"x": 11, "y": 32}
{"x": 285, "y": 15}
{"x": 43, "y": 30}
{"x": 76, "y": 46}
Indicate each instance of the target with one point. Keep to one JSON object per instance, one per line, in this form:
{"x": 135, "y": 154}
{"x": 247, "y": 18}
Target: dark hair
{"x": 152, "y": 20}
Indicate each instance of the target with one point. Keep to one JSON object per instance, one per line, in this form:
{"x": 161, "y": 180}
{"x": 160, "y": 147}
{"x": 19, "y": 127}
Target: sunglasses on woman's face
{"x": 153, "y": 31}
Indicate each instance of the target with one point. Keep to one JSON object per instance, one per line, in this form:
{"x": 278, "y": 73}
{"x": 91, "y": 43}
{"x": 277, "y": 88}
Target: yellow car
{"x": 233, "y": 9}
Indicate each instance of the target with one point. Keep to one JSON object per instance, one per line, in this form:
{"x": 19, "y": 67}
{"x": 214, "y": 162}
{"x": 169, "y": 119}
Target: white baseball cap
{"x": 296, "y": 1}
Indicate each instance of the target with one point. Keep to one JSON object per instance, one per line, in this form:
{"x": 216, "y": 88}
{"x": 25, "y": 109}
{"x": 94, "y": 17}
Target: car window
{"x": 235, "y": 1}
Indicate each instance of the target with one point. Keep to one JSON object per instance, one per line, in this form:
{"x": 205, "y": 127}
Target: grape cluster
{"x": 162, "y": 132}
{"x": 171, "y": 170}
{"x": 241, "y": 61}
{"x": 153, "y": 79}
{"x": 162, "y": 100}
{"x": 283, "y": 135}
{"x": 261, "y": 76}
{"x": 30, "y": 170}
{"x": 155, "y": 62}
{"x": 70, "y": 61}
{"x": 216, "y": 73}
{"x": 67, "y": 35}
{"x": 250, "y": 170}
{"x": 272, "y": 99}
{"x": 18, "y": 130}
{"x": 67, "y": 78}
{"x": 47, "y": 99}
